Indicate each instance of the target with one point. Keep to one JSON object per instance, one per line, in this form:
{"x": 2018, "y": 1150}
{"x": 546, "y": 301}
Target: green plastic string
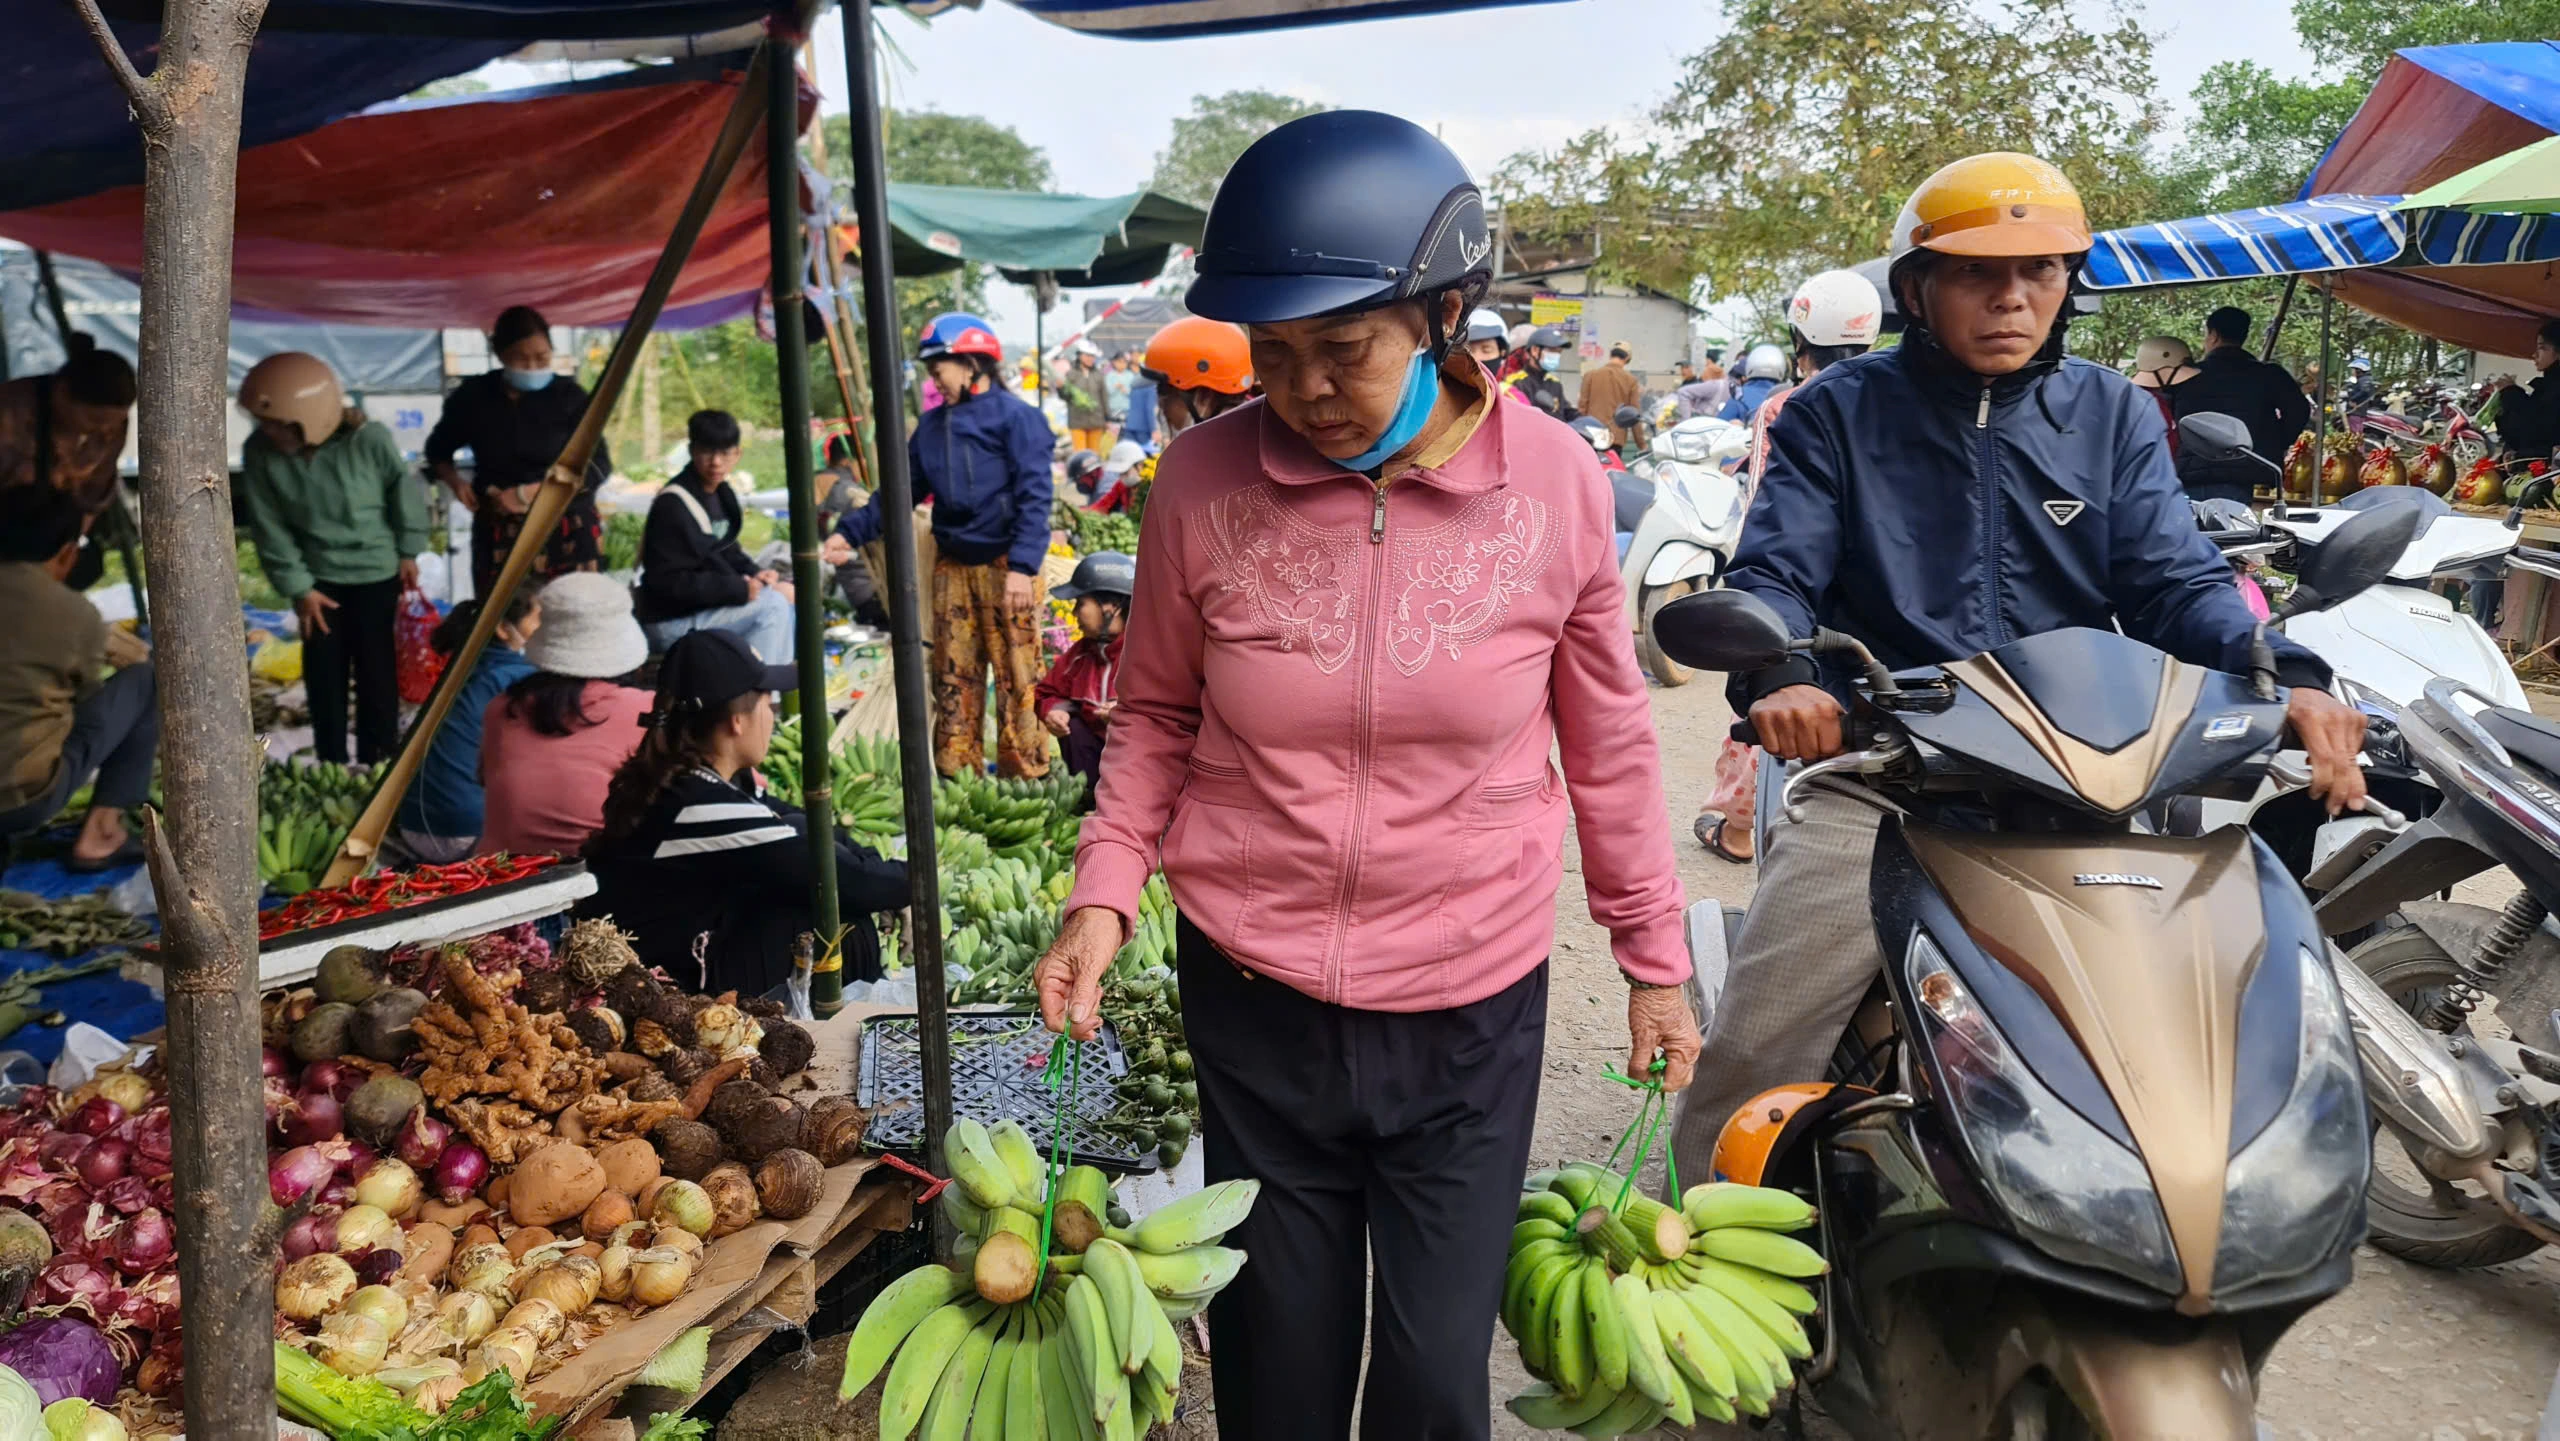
{"x": 1064, "y": 1076}
{"x": 1652, "y": 1115}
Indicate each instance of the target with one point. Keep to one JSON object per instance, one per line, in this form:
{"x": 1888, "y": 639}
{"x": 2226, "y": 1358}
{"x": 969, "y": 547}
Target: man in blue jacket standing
{"x": 983, "y": 460}
{"x": 1938, "y": 500}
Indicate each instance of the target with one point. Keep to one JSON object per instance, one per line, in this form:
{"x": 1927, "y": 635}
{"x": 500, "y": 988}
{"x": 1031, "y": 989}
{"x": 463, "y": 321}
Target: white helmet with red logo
{"x": 1837, "y": 307}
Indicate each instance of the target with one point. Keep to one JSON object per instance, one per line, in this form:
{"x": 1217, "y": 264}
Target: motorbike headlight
{"x": 1687, "y": 446}
{"x": 2071, "y": 1189}
{"x": 2295, "y": 1188}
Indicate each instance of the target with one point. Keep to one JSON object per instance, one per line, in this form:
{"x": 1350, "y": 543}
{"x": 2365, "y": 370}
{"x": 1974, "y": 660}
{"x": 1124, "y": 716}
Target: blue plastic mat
{"x": 111, "y": 1003}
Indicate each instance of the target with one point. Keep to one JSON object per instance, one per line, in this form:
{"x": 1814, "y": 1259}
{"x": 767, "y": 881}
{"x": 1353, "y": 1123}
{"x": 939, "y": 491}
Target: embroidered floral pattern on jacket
{"x": 1447, "y": 588}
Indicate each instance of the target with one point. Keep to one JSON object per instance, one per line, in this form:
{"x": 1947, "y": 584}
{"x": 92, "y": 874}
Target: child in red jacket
{"x": 1076, "y": 698}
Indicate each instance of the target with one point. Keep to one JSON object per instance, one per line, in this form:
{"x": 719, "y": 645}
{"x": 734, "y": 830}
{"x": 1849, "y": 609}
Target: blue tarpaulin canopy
{"x": 1080, "y": 239}
{"x": 2313, "y": 237}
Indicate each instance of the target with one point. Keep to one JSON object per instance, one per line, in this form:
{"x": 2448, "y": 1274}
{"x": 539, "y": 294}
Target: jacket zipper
{"x": 1990, "y": 520}
{"x": 1361, "y": 742}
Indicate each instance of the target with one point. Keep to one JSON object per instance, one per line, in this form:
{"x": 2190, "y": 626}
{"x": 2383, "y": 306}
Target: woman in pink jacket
{"x": 1368, "y": 608}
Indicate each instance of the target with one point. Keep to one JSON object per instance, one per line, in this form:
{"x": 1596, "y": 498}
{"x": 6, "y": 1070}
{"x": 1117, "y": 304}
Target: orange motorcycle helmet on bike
{"x": 1197, "y": 353}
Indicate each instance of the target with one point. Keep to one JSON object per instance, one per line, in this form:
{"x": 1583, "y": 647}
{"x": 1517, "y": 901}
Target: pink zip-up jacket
{"x": 1337, "y": 705}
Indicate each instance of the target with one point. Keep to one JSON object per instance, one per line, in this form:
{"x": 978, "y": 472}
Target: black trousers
{"x": 359, "y": 641}
{"x": 1082, "y": 750}
{"x": 1390, "y": 1149}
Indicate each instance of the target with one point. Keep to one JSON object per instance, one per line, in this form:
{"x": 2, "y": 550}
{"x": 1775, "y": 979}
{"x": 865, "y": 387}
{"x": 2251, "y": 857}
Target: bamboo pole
{"x": 905, "y": 593}
{"x": 791, "y": 355}
{"x": 203, "y": 866}
{"x": 566, "y": 476}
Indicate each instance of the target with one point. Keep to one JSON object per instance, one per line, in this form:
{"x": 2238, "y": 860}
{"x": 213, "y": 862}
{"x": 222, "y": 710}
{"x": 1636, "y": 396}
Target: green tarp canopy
{"x": 1081, "y": 240}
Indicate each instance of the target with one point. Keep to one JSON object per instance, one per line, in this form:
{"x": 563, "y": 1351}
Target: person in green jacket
{"x": 338, "y": 520}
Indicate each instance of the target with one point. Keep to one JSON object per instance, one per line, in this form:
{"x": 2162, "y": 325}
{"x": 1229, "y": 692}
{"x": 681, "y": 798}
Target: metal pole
{"x": 2320, "y": 398}
{"x": 2284, "y": 307}
{"x": 791, "y": 352}
{"x": 53, "y": 298}
{"x": 905, "y": 592}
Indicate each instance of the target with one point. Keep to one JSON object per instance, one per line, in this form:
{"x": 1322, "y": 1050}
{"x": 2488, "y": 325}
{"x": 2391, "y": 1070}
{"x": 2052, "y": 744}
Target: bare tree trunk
{"x": 203, "y": 863}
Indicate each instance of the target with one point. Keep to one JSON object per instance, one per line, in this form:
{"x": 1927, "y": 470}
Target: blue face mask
{"x": 527, "y": 379}
{"x": 1421, "y": 392}
{"x": 1547, "y": 360}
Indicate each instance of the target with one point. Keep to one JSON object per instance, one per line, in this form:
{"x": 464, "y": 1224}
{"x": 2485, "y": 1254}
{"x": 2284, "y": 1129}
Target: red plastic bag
{"x": 412, "y": 635}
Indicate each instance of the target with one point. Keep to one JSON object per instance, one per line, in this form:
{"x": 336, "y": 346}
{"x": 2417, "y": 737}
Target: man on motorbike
{"x": 1531, "y": 370}
{"x": 1764, "y": 371}
{"x": 1935, "y": 501}
{"x": 2361, "y": 390}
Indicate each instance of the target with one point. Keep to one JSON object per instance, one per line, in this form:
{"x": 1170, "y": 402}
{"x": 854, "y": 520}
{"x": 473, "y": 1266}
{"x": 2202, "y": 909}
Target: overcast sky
{"x": 1491, "y": 82}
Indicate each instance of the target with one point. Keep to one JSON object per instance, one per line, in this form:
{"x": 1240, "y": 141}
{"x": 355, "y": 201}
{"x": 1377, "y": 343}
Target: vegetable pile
{"x": 391, "y": 890}
{"x": 1631, "y": 1313}
{"x": 493, "y": 1153}
{"x": 1084, "y": 1347}
{"x": 1096, "y": 531}
{"x": 304, "y": 813}
{"x": 68, "y": 927}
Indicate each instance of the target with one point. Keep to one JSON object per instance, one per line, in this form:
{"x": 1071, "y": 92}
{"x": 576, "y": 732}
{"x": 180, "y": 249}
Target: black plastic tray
{"x": 997, "y": 1059}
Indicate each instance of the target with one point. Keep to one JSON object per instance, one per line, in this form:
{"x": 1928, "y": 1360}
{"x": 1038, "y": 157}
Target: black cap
{"x": 707, "y": 669}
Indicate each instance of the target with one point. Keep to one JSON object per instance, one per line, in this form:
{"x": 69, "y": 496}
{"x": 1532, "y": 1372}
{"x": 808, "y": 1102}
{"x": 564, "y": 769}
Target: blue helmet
{"x": 957, "y": 332}
{"x": 1341, "y": 210}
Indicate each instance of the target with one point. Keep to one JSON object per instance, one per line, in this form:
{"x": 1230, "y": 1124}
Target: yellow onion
{"x": 382, "y": 1304}
{"x": 538, "y": 1317}
{"x": 314, "y": 1286}
{"x": 409, "y": 1376}
{"x": 676, "y": 1238}
{"x": 613, "y": 1272}
{"x": 486, "y": 1269}
{"x": 363, "y": 1228}
{"x": 629, "y": 1233}
{"x": 506, "y": 1350}
{"x": 467, "y": 1316}
{"x": 659, "y": 1276}
{"x": 391, "y": 1187}
{"x": 433, "y": 1396}
{"x": 354, "y": 1345}
{"x": 733, "y": 1198}
{"x": 570, "y": 1283}
{"x": 684, "y": 1204}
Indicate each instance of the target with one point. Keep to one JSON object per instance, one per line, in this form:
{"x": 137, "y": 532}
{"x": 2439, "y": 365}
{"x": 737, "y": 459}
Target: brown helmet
{"x": 298, "y": 389}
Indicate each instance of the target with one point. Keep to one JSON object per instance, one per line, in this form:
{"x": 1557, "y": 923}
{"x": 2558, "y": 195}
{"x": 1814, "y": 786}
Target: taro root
{"x": 773, "y": 1124}
{"x": 630, "y": 992}
{"x": 787, "y": 1046}
{"x": 653, "y": 1087}
{"x": 542, "y": 991}
{"x": 684, "y": 1067}
{"x": 734, "y": 1205}
{"x": 761, "y": 1071}
{"x": 688, "y": 1149}
{"x": 763, "y": 1008}
{"x": 833, "y": 1130}
{"x": 672, "y": 1012}
{"x": 787, "y": 1183}
{"x": 598, "y": 1028}
{"x": 733, "y": 1100}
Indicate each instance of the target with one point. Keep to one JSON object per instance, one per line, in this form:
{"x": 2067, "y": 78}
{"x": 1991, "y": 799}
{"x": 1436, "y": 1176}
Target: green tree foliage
{"x": 1789, "y": 144}
{"x": 1208, "y": 140}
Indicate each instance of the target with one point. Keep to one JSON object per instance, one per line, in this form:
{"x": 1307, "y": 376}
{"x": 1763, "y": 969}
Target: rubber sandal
{"x": 1710, "y": 833}
{"x": 127, "y": 854}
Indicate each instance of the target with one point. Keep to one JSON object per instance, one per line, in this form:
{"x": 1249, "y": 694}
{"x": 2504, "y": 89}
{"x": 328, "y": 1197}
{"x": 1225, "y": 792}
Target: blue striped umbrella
{"x": 2312, "y": 237}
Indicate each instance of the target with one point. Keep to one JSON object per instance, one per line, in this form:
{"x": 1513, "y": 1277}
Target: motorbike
{"x": 1688, "y": 530}
{"x": 2094, "y": 1140}
{"x": 2467, "y": 1153}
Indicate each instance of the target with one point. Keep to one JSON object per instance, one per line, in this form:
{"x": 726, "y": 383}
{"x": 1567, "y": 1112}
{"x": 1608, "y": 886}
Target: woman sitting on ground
{"x": 551, "y": 743}
{"x": 440, "y": 817}
{"x": 710, "y": 875}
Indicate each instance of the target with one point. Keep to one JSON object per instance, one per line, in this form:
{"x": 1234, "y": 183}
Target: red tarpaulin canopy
{"x": 2436, "y": 112}
{"x": 445, "y": 213}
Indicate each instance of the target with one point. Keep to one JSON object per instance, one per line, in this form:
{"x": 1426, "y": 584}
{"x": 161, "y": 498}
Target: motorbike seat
{"x": 2526, "y": 736}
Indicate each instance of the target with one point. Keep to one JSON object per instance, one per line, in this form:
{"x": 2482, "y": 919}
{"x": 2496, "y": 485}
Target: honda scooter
{"x": 1688, "y": 534}
{"x": 2096, "y": 1137}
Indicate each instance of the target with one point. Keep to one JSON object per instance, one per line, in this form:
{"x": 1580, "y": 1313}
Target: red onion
{"x": 153, "y": 1143}
{"x": 66, "y": 1279}
{"x": 354, "y": 1157}
{"x": 297, "y": 1171}
{"x": 95, "y": 1117}
{"x": 339, "y": 1192}
{"x": 104, "y": 1163}
{"x": 164, "y": 1191}
{"x": 128, "y": 1195}
{"x": 333, "y": 1076}
{"x": 87, "y": 1231}
{"x": 422, "y": 1139}
{"x": 55, "y": 1197}
{"x": 377, "y": 1267}
{"x": 274, "y": 1061}
{"x": 312, "y": 1116}
{"x": 138, "y": 1310}
{"x": 163, "y": 1370}
{"x": 147, "y": 1243}
{"x": 61, "y": 1149}
{"x": 459, "y": 1172}
{"x": 312, "y": 1232}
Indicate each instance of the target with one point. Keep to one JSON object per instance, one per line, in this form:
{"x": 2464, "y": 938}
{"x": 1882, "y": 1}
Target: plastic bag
{"x": 412, "y": 633}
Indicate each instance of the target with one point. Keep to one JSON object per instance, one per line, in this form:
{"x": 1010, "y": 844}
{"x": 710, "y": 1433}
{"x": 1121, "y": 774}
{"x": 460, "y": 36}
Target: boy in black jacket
{"x": 693, "y": 573}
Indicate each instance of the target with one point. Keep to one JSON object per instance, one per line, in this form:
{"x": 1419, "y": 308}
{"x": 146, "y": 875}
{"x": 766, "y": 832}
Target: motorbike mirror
{"x": 2354, "y": 557}
{"x": 1625, "y": 417}
{"x": 2211, "y": 435}
{"x": 1726, "y": 630}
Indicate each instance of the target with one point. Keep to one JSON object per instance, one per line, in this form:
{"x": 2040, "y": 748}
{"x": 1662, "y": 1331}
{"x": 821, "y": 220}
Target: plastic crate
{"x": 997, "y": 1059}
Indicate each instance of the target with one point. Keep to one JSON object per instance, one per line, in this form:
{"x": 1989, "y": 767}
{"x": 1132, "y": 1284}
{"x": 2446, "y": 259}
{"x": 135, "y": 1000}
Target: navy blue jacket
{"x": 1936, "y": 517}
{"x": 983, "y": 460}
{"x": 447, "y": 798}
{"x": 1746, "y": 401}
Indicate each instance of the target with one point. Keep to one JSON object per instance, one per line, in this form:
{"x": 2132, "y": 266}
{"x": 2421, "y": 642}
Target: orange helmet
{"x": 1196, "y": 353}
{"x": 1766, "y": 1125}
{"x": 2000, "y": 203}
{"x": 298, "y": 389}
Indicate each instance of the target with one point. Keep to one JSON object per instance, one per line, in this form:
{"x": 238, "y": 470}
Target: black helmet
{"x": 1549, "y": 337}
{"x": 1341, "y": 210}
{"x": 1082, "y": 467}
{"x": 1103, "y": 573}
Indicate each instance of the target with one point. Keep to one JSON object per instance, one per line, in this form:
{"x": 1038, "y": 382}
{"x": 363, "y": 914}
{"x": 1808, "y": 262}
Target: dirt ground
{"x": 2404, "y": 1352}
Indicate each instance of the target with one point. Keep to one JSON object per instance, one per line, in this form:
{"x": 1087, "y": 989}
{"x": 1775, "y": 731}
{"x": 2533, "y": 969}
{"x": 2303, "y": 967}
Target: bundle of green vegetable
{"x": 68, "y": 927}
{"x": 359, "y": 1408}
{"x": 304, "y": 811}
{"x": 1096, "y": 531}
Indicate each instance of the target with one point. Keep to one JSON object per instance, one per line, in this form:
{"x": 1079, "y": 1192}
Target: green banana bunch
{"x": 1633, "y": 1313}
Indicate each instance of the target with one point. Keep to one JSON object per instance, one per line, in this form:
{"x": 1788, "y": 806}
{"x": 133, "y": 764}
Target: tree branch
{"x": 146, "y": 99}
